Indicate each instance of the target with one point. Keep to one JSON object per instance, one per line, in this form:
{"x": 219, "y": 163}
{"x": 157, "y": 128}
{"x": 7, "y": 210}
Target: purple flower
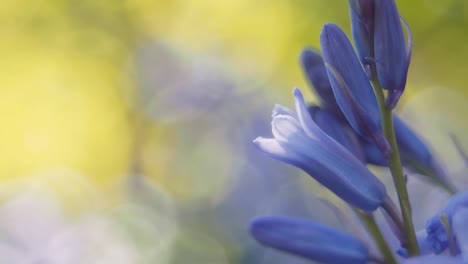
{"x": 415, "y": 153}
{"x": 351, "y": 87}
{"x": 309, "y": 239}
{"x": 392, "y": 58}
{"x": 362, "y": 22}
{"x": 300, "y": 142}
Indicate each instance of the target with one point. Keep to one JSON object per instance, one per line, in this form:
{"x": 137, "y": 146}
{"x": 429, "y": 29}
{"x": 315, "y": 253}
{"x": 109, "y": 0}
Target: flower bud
{"x": 351, "y": 87}
{"x": 309, "y": 240}
{"x": 392, "y": 58}
{"x": 362, "y": 22}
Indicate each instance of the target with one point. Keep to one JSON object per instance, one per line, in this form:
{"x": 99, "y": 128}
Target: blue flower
{"x": 436, "y": 230}
{"x": 392, "y": 58}
{"x": 300, "y": 142}
{"x": 351, "y": 87}
{"x": 309, "y": 239}
{"x": 362, "y": 22}
{"x": 415, "y": 153}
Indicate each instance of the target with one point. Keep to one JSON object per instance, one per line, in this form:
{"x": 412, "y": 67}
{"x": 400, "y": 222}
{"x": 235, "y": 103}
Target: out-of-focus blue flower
{"x": 351, "y": 87}
{"x": 362, "y": 22}
{"x": 339, "y": 131}
{"x": 391, "y": 56}
{"x": 415, "y": 155}
{"x": 434, "y": 260}
{"x": 310, "y": 240}
{"x": 436, "y": 231}
{"x": 300, "y": 142}
{"x": 316, "y": 75}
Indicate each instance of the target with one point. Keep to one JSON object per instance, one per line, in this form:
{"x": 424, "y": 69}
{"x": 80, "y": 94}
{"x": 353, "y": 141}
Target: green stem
{"x": 369, "y": 221}
{"x": 397, "y": 171}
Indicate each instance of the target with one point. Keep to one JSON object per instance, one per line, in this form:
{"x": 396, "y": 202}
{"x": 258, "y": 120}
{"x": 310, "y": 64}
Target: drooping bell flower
{"x": 362, "y": 23}
{"x": 309, "y": 240}
{"x": 297, "y": 140}
{"x": 351, "y": 87}
{"x": 392, "y": 57}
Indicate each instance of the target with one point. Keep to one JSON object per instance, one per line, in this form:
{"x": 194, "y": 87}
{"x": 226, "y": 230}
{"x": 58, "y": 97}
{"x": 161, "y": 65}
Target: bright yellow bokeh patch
{"x": 59, "y": 110}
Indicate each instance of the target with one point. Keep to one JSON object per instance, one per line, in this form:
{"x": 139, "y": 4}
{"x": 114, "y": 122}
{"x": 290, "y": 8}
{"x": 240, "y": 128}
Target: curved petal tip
{"x": 297, "y": 93}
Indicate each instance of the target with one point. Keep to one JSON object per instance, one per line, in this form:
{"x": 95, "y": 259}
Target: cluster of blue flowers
{"x": 355, "y": 126}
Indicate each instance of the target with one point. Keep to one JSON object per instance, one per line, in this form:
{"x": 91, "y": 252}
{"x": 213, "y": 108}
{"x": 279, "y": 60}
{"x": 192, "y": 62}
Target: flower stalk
{"x": 396, "y": 169}
{"x": 372, "y": 227}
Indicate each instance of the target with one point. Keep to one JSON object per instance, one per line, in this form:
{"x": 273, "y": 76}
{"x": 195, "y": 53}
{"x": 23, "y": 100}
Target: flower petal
{"x": 351, "y": 86}
{"x": 310, "y": 240}
{"x": 282, "y": 110}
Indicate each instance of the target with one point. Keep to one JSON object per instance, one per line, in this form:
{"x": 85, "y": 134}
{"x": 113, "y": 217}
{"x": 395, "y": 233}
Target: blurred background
{"x": 126, "y": 126}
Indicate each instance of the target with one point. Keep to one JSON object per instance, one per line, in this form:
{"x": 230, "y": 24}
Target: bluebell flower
{"x": 300, "y": 142}
{"x": 310, "y": 240}
{"x": 415, "y": 153}
{"x": 437, "y": 234}
{"x": 339, "y": 131}
{"x": 362, "y": 22}
{"x": 351, "y": 87}
{"x": 392, "y": 58}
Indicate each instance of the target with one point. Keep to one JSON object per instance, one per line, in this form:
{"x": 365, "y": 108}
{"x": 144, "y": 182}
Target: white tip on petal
{"x": 287, "y": 129}
{"x": 258, "y": 140}
{"x": 282, "y": 110}
{"x": 270, "y": 146}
